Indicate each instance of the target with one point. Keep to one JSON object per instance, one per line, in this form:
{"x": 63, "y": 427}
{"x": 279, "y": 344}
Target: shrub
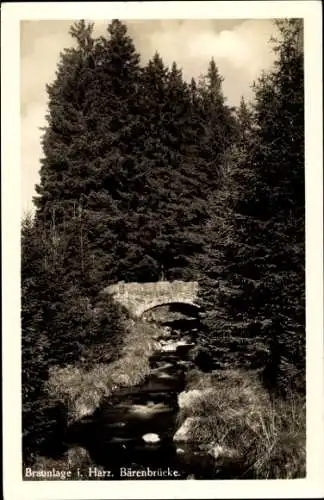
{"x": 237, "y": 413}
{"x": 82, "y": 387}
{"x": 202, "y": 358}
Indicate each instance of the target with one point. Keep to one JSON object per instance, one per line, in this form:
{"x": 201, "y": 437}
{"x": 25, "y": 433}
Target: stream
{"x": 113, "y": 435}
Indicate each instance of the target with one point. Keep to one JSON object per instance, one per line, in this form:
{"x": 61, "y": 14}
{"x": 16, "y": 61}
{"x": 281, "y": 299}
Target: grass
{"x": 230, "y": 407}
{"x": 82, "y": 389}
{"x": 233, "y": 410}
{"x": 74, "y": 465}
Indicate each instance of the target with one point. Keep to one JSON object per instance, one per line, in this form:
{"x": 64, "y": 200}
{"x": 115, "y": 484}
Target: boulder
{"x": 173, "y": 346}
{"x": 222, "y": 452}
{"x": 184, "y": 347}
{"x": 151, "y": 438}
{"x": 83, "y": 410}
{"x": 187, "y": 398}
{"x": 166, "y": 347}
{"x": 162, "y": 334}
{"x": 77, "y": 456}
{"x": 183, "y": 434}
{"x": 185, "y": 343}
{"x": 227, "y": 461}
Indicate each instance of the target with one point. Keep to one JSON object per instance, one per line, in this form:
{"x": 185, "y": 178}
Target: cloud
{"x": 241, "y": 52}
{"x": 239, "y": 47}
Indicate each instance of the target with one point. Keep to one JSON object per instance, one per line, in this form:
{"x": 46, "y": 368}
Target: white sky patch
{"x": 31, "y": 151}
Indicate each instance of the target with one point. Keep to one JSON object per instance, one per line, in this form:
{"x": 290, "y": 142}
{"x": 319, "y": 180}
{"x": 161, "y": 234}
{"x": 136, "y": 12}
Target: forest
{"x": 145, "y": 177}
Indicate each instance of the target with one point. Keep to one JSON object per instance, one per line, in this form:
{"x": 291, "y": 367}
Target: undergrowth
{"x": 233, "y": 410}
{"x": 82, "y": 389}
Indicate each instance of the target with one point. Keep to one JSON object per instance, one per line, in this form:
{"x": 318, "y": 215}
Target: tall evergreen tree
{"x": 39, "y": 298}
{"x": 116, "y": 124}
{"x": 60, "y": 326}
{"x": 89, "y": 146}
{"x": 114, "y": 111}
{"x": 64, "y": 171}
{"x": 124, "y": 159}
{"x": 170, "y": 203}
{"x": 219, "y": 123}
{"x": 263, "y": 231}
{"x": 281, "y": 132}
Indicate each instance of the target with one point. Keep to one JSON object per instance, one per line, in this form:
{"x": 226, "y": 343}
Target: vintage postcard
{"x": 162, "y": 250}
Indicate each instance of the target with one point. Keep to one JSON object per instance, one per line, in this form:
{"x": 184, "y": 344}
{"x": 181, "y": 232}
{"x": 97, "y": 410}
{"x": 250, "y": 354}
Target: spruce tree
{"x": 41, "y": 418}
{"x": 114, "y": 113}
{"x": 281, "y": 132}
{"x": 225, "y": 318}
{"x": 116, "y": 124}
{"x": 170, "y": 181}
{"x": 64, "y": 172}
{"x": 89, "y": 148}
{"x": 218, "y": 124}
{"x": 261, "y": 257}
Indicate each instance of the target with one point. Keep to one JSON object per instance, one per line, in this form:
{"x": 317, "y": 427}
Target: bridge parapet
{"x": 140, "y": 297}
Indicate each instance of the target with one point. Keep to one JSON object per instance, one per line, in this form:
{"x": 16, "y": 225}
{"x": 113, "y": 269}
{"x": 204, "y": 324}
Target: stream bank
{"x": 179, "y": 418}
{"x": 133, "y": 434}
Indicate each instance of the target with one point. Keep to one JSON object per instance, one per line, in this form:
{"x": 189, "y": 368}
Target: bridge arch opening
{"x": 171, "y": 310}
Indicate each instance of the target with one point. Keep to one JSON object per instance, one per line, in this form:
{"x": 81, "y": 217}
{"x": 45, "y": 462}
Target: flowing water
{"x": 113, "y": 435}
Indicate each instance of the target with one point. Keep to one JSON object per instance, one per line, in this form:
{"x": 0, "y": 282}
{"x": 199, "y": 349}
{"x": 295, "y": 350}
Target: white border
{"x": 14, "y": 487}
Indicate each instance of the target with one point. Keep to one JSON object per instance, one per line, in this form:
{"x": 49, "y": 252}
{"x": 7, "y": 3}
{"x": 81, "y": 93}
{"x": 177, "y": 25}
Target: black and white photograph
{"x": 162, "y": 265}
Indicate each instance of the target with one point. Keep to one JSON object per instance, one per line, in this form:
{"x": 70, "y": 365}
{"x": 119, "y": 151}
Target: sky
{"x": 240, "y": 48}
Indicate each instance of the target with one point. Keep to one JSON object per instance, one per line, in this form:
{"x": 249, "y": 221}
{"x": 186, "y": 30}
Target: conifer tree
{"x": 116, "y": 125}
{"x": 280, "y": 118}
{"x": 60, "y": 326}
{"x": 39, "y": 298}
{"x": 64, "y": 169}
{"x": 218, "y": 123}
{"x": 171, "y": 199}
{"x": 263, "y": 230}
{"x": 114, "y": 112}
{"x": 89, "y": 147}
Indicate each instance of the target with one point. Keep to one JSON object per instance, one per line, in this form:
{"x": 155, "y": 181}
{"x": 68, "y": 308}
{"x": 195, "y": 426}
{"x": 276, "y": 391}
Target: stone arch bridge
{"x": 138, "y": 298}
